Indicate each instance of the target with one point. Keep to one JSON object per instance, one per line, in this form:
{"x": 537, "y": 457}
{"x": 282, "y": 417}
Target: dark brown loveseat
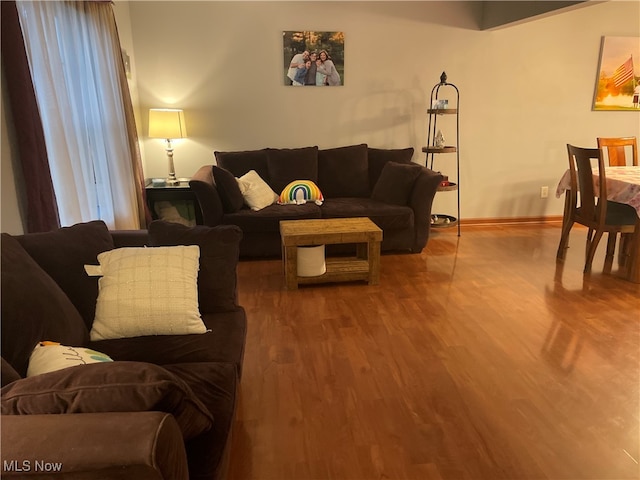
{"x": 163, "y": 409}
{"x": 356, "y": 181}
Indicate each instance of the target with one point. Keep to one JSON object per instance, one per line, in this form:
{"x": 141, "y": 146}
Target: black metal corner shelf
{"x": 439, "y": 108}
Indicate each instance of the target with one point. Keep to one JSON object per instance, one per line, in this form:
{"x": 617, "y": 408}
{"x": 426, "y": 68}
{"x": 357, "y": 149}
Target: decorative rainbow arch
{"x": 299, "y": 192}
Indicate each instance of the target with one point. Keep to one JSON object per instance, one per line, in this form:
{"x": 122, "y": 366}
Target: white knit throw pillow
{"x": 255, "y": 191}
{"x": 147, "y": 291}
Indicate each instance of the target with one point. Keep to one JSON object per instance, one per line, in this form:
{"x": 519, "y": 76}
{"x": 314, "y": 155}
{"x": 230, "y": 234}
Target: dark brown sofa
{"x": 163, "y": 409}
{"x": 356, "y": 181}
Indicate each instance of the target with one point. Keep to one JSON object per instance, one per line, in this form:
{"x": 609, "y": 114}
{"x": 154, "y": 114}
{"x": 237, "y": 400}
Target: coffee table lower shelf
{"x": 347, "y": 269}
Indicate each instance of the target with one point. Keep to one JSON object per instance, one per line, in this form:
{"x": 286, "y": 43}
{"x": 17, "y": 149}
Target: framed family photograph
{"x": 618, "y": 85}
{"x": 313, "y": 58}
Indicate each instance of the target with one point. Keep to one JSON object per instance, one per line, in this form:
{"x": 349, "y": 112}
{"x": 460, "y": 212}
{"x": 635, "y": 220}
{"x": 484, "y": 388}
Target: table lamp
{"x": 167, "y": 123}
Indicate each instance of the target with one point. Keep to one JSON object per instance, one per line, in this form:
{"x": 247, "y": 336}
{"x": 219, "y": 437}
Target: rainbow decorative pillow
{"x": 299, "y": 192}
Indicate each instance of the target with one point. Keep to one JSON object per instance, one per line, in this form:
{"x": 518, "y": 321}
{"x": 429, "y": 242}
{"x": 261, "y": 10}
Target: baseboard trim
{"x": 512, "y": 220}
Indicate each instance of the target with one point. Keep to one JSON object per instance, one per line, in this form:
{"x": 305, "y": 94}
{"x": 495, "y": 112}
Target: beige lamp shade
{"x": 166, "y": 123}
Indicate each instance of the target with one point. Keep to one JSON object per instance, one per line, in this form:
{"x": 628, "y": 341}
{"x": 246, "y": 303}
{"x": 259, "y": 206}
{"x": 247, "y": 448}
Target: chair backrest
{"x": 593, "y": 204}
{"x": 616, "y": 149}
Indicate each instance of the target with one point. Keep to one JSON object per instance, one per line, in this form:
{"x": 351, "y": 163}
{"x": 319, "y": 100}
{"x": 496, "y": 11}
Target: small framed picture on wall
{"x": 313, "y": 58}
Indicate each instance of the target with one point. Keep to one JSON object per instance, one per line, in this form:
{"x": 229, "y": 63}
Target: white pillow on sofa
{"x": 255, "y": 191}
{"x": 147, "y": 291}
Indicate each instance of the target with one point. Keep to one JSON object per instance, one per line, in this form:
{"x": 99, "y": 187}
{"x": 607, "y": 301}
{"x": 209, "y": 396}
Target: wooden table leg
{"x": 374, "y": 263}
{"x": 291, "y": 267}
{"x": 633, "y": 267}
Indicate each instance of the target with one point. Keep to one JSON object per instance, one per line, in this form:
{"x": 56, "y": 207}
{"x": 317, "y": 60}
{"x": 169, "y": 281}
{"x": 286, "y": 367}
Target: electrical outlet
{"x": 544, "y": 192}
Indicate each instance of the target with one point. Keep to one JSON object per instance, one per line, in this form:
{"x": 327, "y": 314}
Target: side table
{"x": 170, "y": 193}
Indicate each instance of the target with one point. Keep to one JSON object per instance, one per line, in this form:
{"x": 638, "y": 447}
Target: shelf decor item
{"x": 168, "y": 124}
{"x": 436, "y": 143}
{"x": 311, "y": 261}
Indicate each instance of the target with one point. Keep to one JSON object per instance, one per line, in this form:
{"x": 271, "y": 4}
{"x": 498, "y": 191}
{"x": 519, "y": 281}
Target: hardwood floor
{"x": 478, "y": 359}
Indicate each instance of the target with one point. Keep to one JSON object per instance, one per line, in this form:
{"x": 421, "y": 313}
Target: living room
{"x": 514, "y": 384}
{"x": 522, "y": 101}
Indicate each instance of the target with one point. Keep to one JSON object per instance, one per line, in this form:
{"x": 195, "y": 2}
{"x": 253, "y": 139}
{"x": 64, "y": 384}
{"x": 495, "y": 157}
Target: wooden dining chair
{"x": 616, "y": 150}
{"x": 594, "y": 211}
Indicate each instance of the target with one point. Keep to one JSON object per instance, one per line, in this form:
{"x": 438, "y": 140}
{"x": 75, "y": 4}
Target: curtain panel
{"x": 41, "y": 208}
{"x": 144, "y": 213}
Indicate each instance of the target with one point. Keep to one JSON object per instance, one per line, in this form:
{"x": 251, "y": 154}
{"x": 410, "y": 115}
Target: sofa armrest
{"x": 204, "y": 188}
{"x": 421, "y": 200}
{"x": 83, "y": 446}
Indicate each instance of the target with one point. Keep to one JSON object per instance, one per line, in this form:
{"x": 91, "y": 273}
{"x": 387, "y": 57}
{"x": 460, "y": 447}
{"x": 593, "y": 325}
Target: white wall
{"x": 526, "y": 90}
{"x": 121, "y": 12}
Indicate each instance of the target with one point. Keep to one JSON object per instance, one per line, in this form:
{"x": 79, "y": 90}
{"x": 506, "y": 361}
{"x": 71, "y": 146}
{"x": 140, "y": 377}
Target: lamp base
{"x": 172, "y": 180}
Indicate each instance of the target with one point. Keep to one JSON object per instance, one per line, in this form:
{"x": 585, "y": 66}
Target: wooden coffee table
{"x": 361, "y": 231}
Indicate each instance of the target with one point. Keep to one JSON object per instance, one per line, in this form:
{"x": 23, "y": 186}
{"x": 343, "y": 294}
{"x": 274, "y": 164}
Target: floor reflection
{"x": 564, "y": 342}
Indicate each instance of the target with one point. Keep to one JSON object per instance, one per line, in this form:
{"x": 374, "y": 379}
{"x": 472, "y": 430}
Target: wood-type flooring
{"x": 480, "y": 358}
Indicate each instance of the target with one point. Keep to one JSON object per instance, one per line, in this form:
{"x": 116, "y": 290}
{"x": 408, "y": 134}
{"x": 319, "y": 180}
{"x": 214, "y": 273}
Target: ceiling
{"x": 499, "y": 14}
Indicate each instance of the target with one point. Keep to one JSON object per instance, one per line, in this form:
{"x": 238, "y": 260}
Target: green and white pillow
{"x": 51, "y": 356}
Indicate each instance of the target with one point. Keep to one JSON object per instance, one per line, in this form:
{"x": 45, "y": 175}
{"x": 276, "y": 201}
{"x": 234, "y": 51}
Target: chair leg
{"x": 588, "y": 242}
{"x": 624, "y": 250}
{"x": 567, "y": 223}
{"x": 593, "y": 244}
{"x": 611, "y": 248}
{"x": 564, "y": 240}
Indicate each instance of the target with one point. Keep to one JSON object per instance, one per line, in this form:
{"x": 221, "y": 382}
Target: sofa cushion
{"x": 148, "y": 291}
{"x": 219, "y": 250}
{"x": 223, "y": 342}
{"x": 379, "y": 157}
{"x": 34, "y": 307}
{"x": 51, "y": 356}
{"x": 108, "y": 387}
{"x": 239, "y": 163}
{"x": 384, "y": 215}
{"x": 63, "y": 253}
{"x": 8, "y": 373}
{"x": 257, "y": 194}
{"x": 228, "y": 189}
{"x": 268, "y": 219}
{"x": 289, "y": 164}
{"x": 344, "y": 171}
{"x": 396, "y": 182}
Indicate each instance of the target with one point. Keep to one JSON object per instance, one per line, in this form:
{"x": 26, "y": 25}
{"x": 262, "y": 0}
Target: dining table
{"x": 623, "y": 186}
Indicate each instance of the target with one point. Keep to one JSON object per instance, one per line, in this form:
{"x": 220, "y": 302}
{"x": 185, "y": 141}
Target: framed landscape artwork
{"x": 618, "y": 85}
{"x": 313, "y": 58}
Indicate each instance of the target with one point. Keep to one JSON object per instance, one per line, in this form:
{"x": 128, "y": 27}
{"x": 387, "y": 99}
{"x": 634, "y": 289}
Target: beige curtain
{"x": 144, "y": 214}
